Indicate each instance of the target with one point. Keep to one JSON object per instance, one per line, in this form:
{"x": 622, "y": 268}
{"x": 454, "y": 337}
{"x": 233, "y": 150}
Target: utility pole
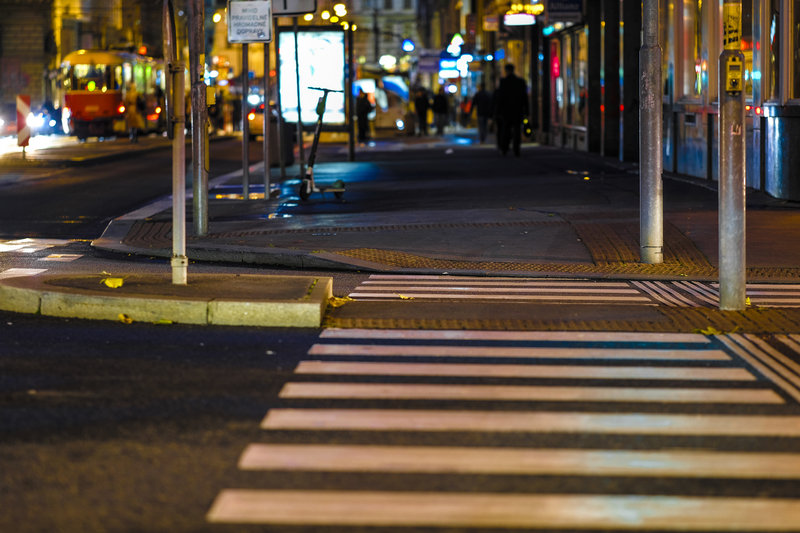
{"x": 376, "y": 31}
{"x": 245, "y": 123}
{"x": 199, "y": 114}
{"x": 732, "y": 273}
{"x": 651, "y": 190}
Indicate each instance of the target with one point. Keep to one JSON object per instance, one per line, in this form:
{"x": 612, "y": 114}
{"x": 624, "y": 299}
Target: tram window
{"x": 118, "y": 77}
{"x": 138, "y": 78}
{"x": 774, "y": 55}
{"x": 692, "y": 48}
{"x": 795, "y": 44}
{"x": 89, "y": 78}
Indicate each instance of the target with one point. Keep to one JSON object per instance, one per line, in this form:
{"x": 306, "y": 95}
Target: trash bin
{"x": 287, "y": 144}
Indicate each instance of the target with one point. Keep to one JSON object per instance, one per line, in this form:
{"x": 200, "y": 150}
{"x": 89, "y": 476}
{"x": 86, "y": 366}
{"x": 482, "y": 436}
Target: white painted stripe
{"x": 655, "y": 294}
{"x": 21, "y": 272}
{"x": 691, "y": 289}
{"x": 773, "y": 293}
{"x": 543, "y": 336}
{"x": 487, "y": 510}
{"x": 505, "y": 351}
{"x": 522, "y": 371}
{"x": 520, "y": 461}
{"x": 416, "y": 391}
{"x": 767, "y": 286}
{"x": 776, "y": 354}
{"x": 759, "y": 366}
{"x": 604, "y": 299}
{"x": 709, "y": 292}
{"x": 768, "y": 355}
{"x": 775, "y": 301}
{"x": 531, "y": 422}
{"x": 496, "y": 289}
{"x": 678, "y": 296}
{"x": 507, "y": 281}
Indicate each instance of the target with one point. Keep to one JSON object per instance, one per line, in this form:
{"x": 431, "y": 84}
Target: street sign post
{"x": 176, "y": 118}
{"x": 23, "y": 130}
{"x": 292, "y": 8}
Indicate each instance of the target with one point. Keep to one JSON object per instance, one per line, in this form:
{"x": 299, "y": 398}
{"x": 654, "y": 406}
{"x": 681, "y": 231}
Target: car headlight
{"x": 2, "y": 121}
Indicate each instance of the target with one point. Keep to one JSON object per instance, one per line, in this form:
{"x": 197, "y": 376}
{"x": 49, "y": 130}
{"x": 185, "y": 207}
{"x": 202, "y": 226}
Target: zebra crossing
{"x": 383, "y": 287}
{"x": 458, "y": 414}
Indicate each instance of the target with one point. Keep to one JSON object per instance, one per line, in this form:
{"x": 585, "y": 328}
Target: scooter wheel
{"x": 338, "y": 184}
{"x": 305, "y": 190}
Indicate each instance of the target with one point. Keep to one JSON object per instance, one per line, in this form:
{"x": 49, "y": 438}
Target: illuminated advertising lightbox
{"x": 322, "y": 64}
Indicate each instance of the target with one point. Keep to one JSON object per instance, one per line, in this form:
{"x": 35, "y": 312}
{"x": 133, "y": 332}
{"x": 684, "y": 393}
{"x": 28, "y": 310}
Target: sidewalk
{"x": 414, "y": 235}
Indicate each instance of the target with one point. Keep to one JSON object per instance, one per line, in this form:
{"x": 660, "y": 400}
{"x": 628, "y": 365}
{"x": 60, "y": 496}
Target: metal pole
{"x": 179, "y": 261}
{"x": 245, "y": 124}
{"x": 732, "y": 274}
{"x": 199, "y": 112}
{"x": 651, "y": 191}
{"x": 376, "y": 33}
{"x": 267, "y": 121}
{"x": 351, "y": 138}
{"x": 281, "y": 147}
{"x": 300, "y": 147}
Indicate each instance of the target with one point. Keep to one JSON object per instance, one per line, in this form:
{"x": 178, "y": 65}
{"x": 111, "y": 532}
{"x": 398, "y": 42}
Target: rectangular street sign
{"x": 250, "y": 21}
{"x": 289, "y": 8}
{"x": 564, "y": 11}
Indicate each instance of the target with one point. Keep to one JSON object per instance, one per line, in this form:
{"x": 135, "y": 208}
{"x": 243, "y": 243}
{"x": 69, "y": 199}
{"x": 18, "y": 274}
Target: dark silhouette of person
{"x": 363, "y": 109}
{"x": 482, "y": 103}
{"x": 511, "y": 110}
{"x": 421, "y": 105}
{"x": 441, "y": 109}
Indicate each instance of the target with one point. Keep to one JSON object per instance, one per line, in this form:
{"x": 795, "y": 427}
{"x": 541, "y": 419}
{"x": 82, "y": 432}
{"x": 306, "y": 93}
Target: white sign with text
{"x": 250, "y": 21}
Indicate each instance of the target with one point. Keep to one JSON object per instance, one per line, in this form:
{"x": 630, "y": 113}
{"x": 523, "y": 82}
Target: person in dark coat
{"x": 421, "y": 105}
{"x": 440, "y": 111}
{"x": 363, "y": 109}
{"x": 511, "y": 110}
{"x": 482, "y": 103}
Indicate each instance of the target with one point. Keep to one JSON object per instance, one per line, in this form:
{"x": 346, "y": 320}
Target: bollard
{"x": 651, "y": 190}
{"x": 179, "y": 261}
{"x": 732, "y": 274}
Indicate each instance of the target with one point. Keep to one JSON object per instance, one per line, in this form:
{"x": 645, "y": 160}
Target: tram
{"x": 95, "y": 83}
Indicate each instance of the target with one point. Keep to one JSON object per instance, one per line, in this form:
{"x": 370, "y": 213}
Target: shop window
{"x": 692, "y": 48}
{"x": 388, "y": 5}
{"x": 774, "y": 55}
{"x": 580, "y": 72}
{"x": 556, "y": 82}
{"x": 567, "y": 78}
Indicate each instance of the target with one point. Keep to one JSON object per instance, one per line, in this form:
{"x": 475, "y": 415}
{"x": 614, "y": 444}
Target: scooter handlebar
{"x": 326, "y": 90}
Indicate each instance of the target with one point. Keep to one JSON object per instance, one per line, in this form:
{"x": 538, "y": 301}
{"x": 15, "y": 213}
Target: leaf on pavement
{"x": 114, "y": 283}
{"x": 747, "y": 301}
{"x": 711, "y": 330}
{"x": 338, "y": 302}
{"x": 162, "y": 321}
{"x": 404, "y": 297}
{"x": 125, "y": 319}
{"x": 105, "y": 273}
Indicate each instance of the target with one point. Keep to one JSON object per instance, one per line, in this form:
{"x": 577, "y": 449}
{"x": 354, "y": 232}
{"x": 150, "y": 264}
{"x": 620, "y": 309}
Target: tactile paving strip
{"x": 145, "y": 234}
{"x": 678, "y": 320}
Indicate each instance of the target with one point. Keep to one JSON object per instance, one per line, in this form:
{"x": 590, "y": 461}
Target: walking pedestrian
{"x": 512, "y": 108}
{"x": 421, "y": 106}
{"x": 363, "y": 109}
{"x": 482, "y": 103}
{"x": 134, "y": 105}
{"x": 440, "y": 111}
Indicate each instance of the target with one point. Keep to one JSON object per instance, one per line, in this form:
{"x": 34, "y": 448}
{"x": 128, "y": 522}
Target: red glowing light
{"x": 121, "y": 109}
{"x": 758, "y": 111}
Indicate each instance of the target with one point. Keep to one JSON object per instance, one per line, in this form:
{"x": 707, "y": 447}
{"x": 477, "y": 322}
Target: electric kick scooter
{"x": 307, "y": 186}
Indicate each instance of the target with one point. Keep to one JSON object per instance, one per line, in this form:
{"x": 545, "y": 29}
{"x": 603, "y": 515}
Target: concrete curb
{"x": 37, "y": 295}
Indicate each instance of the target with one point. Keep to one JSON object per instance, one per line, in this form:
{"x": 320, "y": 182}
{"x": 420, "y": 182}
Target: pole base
{"x": 180, "y": 264}
{"x": 652, "y": 255}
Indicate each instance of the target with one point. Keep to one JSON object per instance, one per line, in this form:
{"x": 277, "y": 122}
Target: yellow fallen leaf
{"x": 747, "y": 301}
{"x": 404, "y": 297}
{"x": 114, "y": 283}
{"x": 711, "y": 330}
{"x": 125, "y": 319}
{"x": 338, "y": 302}
{"x": 105, "y": 273}
{"x": 162, "y": 321}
